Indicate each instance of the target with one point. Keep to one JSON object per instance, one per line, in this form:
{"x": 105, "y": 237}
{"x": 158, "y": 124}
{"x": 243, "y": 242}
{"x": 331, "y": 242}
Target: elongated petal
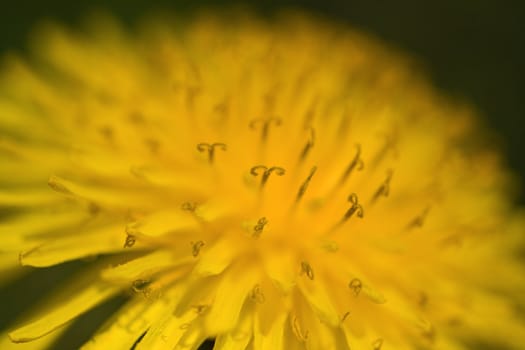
{"x": 42, "y": 343}
{"x": 104, "y": 240}
{"x": 240, "y": 337}
{"x": 58, "y": 316}
{"x": 146, "y": 265}
{"x": 231, "y": 294}
{"x": 270, "y": 339}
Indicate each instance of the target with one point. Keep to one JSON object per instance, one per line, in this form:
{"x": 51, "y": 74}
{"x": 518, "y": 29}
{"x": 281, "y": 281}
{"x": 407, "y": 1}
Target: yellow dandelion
{"x": 272, "y": 185}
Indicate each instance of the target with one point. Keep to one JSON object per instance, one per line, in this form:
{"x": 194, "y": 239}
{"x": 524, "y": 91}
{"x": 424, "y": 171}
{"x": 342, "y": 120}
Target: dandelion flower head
{"x": 289, "y": 184}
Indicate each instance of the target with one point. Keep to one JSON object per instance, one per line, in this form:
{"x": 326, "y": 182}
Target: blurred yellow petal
{"x": 231, "y": 294}
{"x": 273, "y": 338}
{"x": 60, "y": 249}
{"x": 240, "y": 337}
{"x": 42, "y": 343}
{"x": 145, "y": 266}
{"x": 22, "y": 231}
{"x": 59, "y": 315}
{"x": 219, "y": 256}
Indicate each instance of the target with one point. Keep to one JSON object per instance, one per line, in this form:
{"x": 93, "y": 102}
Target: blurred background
{"x": 473, "y": 50}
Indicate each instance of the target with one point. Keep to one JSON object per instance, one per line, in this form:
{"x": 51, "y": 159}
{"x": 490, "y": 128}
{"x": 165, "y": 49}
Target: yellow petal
{"x": 291, "y": 342}
{"x": 282, "y": 270}
{"x": 166, "y": 222}
{"x": 168, "y": 328}
{"x": 232, "y": 291}
{"x": 42, "y": 343}
{"x": 166, "y": 331}
{"x": 145, "y": 266}
{"x": 123, "y": 330}
{"x": 195, "y": 293}
{"x": 16, "y": 230}
{"x": 105, "y": 240}
{"x": 9, "y": 267}
{"x": 319, "y": 300}
{"x": 113, "y": 197}
{"x": 240, "y": 336}
{"x": 216, "y": 257}
{"x": 192, "y": 338}
{"x": 41, "y": 196}
{"x": 273, "y": 337}
{"x": 25, "y": 155}
{"x": 323, "y": 336}
{"x": 94, "y": 294}
{"x": 266, "y": 311}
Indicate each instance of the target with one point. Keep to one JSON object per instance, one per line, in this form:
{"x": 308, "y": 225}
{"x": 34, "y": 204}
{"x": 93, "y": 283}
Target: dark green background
{"x": 471, "y": 49}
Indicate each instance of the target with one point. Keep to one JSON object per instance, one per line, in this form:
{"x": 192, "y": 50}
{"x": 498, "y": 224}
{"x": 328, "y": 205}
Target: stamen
{"x": 356, "y": 163}
{"x": 258, "y": 229}
{"x": 265, "y": 126}
{"x": 189, "y": 206}
{"x": 210, "y": 148}
{"x": 107, "y": 132}
{"x": 132, "y": 228}
{"x": 311, "y": 111}
{"x": 139, "y": 172}
{"x": 356, "y": 207}
{"x": 94, "y": 208}
{"x": 55, "y": 183}
{"x": 422, "y": 299}
{"x": 344, "y": 124}
{"x": 345, "y": 316}
{"x": 221, "y": 107}
{"x": 308, "y": 146}
{"x": 356, "y": 285}
{"x": 255, "y": 171}
{"x": 196, "y": 248}
{"x": 140, "y": 285}
{"x": 377, "y": 344}
{"x": 419, "y": 220}
{"x": 389, "y": 145}
{"x": 298, "y": 332}
{"x": 427, "y": 329}
{"x": 257, "y": 295}
{"x": 305, "y": 184}
{"x": 307, "y": 269}
{"x": 269, "y": 99}
{"x": 192, "y": 92}
{"x": 199, "y": 309}
{"x": 130, "y": 241}
{"x": 384, "y": 189}
{"x": 136, "y": 118}
{"x": 153, "y": 145}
